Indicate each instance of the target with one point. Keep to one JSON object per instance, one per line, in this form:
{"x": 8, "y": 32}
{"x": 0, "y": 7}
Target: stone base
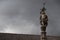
{"x": 43, "y": 36}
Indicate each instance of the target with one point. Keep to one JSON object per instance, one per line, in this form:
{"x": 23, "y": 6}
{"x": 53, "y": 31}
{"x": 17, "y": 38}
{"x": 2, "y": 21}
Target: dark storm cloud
{"x": 54, "y": 17}
{"x": 58, "y": 2}
{"x": 18, "y": 16}
{"x": 22, "y": 16}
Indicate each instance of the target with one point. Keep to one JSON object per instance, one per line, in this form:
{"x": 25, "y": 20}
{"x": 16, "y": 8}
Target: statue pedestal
{"x": 43, "y": 35}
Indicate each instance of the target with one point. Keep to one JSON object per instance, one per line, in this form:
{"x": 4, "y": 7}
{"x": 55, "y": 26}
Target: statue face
{"x": 42, "y": 12}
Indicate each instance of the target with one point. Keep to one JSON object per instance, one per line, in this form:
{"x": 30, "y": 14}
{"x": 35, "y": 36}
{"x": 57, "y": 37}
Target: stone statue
{"x": 43, "y": 18}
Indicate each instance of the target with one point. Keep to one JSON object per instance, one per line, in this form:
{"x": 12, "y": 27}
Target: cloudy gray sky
{"x": 22, "y": 16}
